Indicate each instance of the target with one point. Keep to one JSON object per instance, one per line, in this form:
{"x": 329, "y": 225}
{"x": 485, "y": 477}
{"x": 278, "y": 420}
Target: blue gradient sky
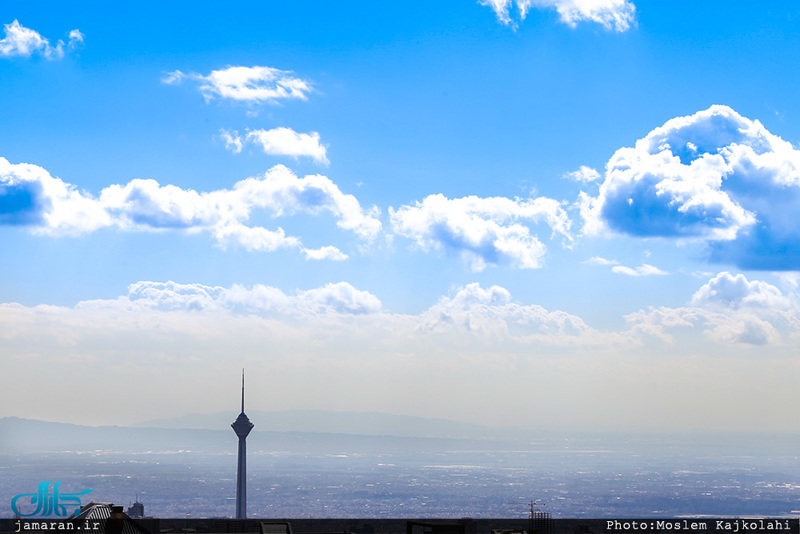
{"x": 452, "y": 202}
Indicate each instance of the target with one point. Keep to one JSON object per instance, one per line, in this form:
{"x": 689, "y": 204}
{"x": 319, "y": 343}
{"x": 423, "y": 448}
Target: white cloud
{"x": 287, "y": 142}
{"x": 736, "y": 292}
{"x": 617, "y": 15}
{"x": 30, "y": 197}
{"x": 597, "y": 260}
{"x": 246, "y": 84}
{"x": 472, "y": 318}
{"x": 728, "y": 309}
{"x": 583, "y": 174}
{"x": 642, "y": 270}
{"x": 261, "y": 300}
{"x": 714, "y": 176}
{"x": 22, "y": 41}
{"x": 325, "y": 253}
{"x": 232, "y": 140}
{"x": 233, "y": 234}
{"x": 279, "y": 142}
{"x": 173, "y": 78}
{"x": 491, "y": 313}
{"x": 482, "y": 230}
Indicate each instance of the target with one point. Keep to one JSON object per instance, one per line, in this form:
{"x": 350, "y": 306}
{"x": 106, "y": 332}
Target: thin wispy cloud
{"x": 583, "y": 174}
{"x": 616, "y": 15}
{"x": 642, "y": 270}
{"x": 20, "y": 41}
{"x": 483, "y": 231}
{"x": 597, "y": 260}
{"x": 254, "y": 85}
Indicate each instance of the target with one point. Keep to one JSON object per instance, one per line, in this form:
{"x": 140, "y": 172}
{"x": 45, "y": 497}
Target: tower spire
{"x": 242, "y": 389}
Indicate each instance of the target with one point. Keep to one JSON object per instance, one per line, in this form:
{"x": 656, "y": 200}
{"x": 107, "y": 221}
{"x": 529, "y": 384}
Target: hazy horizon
{"x": 502, "y": 212}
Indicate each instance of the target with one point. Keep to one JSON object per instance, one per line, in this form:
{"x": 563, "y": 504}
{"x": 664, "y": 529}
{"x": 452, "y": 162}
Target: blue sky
{"x": 363, "y": 203}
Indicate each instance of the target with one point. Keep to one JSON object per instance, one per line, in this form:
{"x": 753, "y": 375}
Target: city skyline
{"x": 506, "y": 212}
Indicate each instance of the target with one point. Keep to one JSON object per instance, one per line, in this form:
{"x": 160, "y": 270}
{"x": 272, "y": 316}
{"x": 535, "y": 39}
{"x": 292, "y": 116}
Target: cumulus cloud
{"x": 736, "y": 292}
{"x": 487, "y": 315}
{"x": 255, "y": 85}
{"x": 617, "y": 15}
{"x": 31, "y": 197}
{"x": 325, "y": 253}
{"x": 279, "y": 142}
{"x": 261, "y": 300}
{"x": 483, "y": 231}
{"x": 714, "y": 176}
{"x": 491, "y": 312}
{"x": 25, "y": 42}
{"x": 728, "y": 309}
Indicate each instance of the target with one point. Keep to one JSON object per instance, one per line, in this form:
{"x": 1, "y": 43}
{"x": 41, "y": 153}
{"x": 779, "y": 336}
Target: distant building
{"x": 136, "y": 509}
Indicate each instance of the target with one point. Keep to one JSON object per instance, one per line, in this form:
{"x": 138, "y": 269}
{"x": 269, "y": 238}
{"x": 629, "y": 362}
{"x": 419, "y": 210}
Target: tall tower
{"x": 242, "y": 426}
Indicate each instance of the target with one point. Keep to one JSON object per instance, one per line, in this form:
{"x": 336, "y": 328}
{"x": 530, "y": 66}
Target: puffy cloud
{"x": 29, "y": 196}
{"x": 617, "y": 15}
{"x": 341, "y": 298}
{"x": 287, "y": 142}
{"x": 473, "y": 314}
{"x": 724, "y": 328}
{"x": 22, "y": 41}
{"x": 728, "y": 309}
{"x": 736, "y": 292}
{"x": 325, "y": 253}
{"x": 642, "y": 270}
{"x": 492, "y": 313}
{"x": 279, "y": 142}
{"x": 713, "y": 176}
{"x": 246, "y": 84}
{"x": 482, "y": 230}
{"x": 338, "y": 298}
{"x": 253, "y": 238}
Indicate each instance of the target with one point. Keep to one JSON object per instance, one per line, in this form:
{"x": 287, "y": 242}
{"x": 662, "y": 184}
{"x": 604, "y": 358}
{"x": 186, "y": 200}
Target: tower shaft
{"x": 241, "y": 481}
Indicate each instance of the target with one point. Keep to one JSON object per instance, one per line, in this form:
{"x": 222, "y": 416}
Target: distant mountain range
{"x": 323, "y": 421}
{"x": 309, "y": 432}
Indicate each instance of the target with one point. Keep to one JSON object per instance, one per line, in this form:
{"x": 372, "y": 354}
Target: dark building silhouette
{"x": 136, "y": 510}
{"x": 242, "y": 426}
{"x": 105, "y": 518}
